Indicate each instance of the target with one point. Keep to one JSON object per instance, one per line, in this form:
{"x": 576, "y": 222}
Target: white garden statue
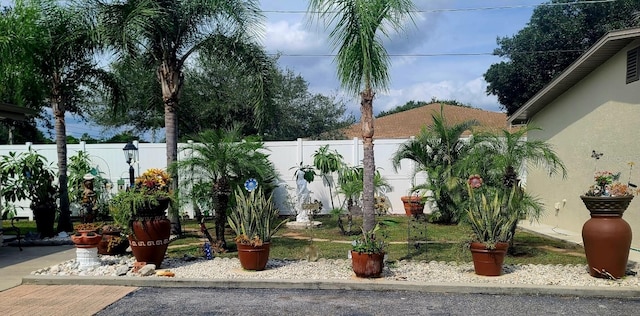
{"x": 303, "y": 195}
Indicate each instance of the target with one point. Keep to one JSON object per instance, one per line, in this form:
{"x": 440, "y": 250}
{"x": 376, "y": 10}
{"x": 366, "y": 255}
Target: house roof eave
{"x": 596, "y": 55}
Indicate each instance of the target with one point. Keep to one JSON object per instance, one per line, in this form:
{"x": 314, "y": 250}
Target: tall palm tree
{"x": 66, "y": 67}
{"x": 363, "y": 63}
{"x": 166, "y": 33}
{"x": 222, "y": 161}
{"x": 439, "y": 152}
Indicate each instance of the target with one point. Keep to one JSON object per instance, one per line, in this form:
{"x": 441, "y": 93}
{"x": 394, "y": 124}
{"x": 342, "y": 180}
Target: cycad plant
{"x": 222, "y": 161}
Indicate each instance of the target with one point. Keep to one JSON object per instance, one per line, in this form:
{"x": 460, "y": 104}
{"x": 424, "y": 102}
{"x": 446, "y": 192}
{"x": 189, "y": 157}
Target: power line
{"x": 440, "y": 54}
{"x": 466, "y": 9}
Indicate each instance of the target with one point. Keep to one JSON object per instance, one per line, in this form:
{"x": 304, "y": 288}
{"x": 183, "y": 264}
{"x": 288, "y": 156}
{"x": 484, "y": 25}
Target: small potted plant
{"x": 491, "y": 218}
{"x": 368, "y": 251}
{"x": 254, "y": 222}
{"x": 606, "y": 235}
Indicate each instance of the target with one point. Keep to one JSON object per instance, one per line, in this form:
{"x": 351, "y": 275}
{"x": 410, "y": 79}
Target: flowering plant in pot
{"x": 254, "y": 220}
{"x": 140, "y": 212}
{"x": 491, "y": 218}
{"x": 606, "y": 235}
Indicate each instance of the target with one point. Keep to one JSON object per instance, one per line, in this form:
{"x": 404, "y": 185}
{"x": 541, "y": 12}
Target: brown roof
{"x": 408, "y": 123}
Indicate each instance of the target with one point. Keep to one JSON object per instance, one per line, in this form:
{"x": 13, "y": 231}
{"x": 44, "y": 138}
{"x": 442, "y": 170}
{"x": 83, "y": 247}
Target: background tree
{"x": 218, "y": 94}
{"x": 166, "y": 34}
{"x": 554, "y": 37}
{"x": 63, "y": 64}
{"x": 363, "y": 63}
{"x": 19, "y": 84}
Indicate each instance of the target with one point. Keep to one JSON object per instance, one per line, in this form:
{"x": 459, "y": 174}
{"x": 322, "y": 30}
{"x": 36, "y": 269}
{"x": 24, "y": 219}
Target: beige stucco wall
{"x": 600, "y": 113}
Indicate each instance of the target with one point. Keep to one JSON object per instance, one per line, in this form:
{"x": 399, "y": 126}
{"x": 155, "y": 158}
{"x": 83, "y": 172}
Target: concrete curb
{"x": 364, "y": 284}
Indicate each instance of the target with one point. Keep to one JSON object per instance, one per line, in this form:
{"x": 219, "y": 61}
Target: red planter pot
{"x": 253, "y": 257}
{"x": 606, "y": 236}
{"x": 150, "y": 240}
{"x": 488, "y": 262}
{"x": 413, "y": 205}
{"x": 367, "y": 265}
{"x": 86, "y": 239}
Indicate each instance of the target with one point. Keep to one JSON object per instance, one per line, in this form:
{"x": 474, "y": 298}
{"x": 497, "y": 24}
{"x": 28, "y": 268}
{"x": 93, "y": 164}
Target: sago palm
{"x": 222, "y": 161}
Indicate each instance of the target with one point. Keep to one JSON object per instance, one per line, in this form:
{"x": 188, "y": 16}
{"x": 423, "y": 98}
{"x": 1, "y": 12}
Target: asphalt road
{"x": 202, "y": 301}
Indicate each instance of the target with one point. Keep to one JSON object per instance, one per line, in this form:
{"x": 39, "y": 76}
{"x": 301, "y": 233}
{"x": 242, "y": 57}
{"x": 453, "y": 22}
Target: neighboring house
{"x": 408, "y": 123}
{"x": 593, "y": 105}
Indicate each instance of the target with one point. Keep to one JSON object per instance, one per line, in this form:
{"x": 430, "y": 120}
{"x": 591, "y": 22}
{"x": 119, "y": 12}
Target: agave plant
{"x": 254, "y": 218}
{"x": 489, "y": 214}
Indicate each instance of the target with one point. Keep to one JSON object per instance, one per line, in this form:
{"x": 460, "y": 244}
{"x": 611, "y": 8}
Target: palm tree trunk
{"x": 369, "y": 166}
{"x": 171, "y": 82}
{"x": 64, "y": 220}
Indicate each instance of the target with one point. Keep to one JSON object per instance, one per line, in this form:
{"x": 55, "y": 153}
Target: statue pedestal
{"x": 303, "y": 225}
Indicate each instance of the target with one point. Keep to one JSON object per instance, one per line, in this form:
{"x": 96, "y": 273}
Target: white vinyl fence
{"x": 110, "y": 160}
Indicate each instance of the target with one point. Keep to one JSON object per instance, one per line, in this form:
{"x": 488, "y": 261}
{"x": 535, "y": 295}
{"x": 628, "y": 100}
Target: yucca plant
{"x": 489, "y": 212}
{"x": 254, "y": 218}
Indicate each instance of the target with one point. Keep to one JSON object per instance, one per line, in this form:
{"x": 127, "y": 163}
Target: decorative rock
{"x": 122, "y": 270}
{"x": 148, "y": 269}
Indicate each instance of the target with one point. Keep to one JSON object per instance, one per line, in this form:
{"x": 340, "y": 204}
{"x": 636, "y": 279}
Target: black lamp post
{"x": 131, "y": 156}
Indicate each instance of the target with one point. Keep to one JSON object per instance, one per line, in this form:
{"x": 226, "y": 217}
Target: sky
{"x": 443, "y": 56}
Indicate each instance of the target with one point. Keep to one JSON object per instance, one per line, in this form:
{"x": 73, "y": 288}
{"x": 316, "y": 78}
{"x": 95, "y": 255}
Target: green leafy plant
{"x": 489, "y": 212}
{"x": 28, "y": 176}
{"x": 254, "y": 217}
{"x": 327, "y": 162}
{"x": 368, "y": 242}
{"x": 150, "y": 189}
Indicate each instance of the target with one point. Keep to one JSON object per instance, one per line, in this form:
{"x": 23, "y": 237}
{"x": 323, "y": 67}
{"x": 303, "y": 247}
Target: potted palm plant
{"x": 490, "y": 216}
{"x": 254, "y": 222}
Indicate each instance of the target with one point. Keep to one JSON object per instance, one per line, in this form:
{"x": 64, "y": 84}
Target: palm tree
{"x": 363, "y": 63}
{"x": 500, "y": 158}
{"x": 222, "y": 161}
{"x": 65, "y": 66}
{"x": 439, "y": 152}
{"x": 167, "y": 34}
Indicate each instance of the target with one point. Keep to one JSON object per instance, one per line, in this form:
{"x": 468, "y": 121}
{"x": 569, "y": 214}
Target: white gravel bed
{"x": 340, "y": 269}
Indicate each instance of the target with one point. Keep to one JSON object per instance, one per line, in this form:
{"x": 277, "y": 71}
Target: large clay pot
{"x": 413, "y": 205}
{"x": 150, "y": 239}
{"x": 606, "y": 236}
{"x": 86, "y": 238}
{"x": 367, "y": 265}
{"x": 253, "y": 257}
{"x": 488, "y": 262}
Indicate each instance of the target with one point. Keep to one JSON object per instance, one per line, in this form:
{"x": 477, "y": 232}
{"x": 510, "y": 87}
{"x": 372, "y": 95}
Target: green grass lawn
{"x": 436, "y": 242}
